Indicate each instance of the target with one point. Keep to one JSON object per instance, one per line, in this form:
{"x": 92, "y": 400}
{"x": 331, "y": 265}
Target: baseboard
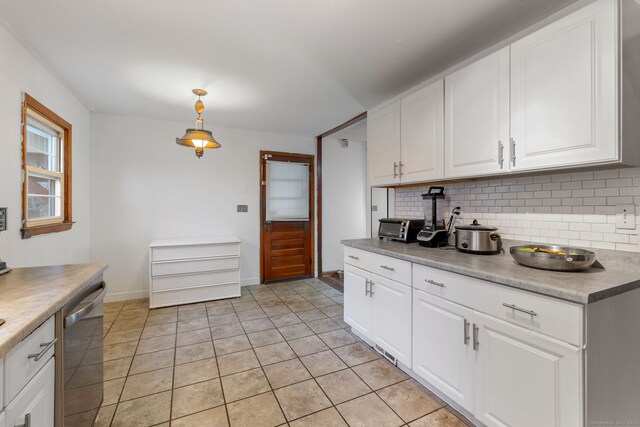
{"x": 144, "y": 293}
{"x": 250, "y": 281}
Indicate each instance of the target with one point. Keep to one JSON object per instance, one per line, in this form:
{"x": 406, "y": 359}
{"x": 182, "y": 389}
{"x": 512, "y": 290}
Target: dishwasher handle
{"x": 77, "y": 315}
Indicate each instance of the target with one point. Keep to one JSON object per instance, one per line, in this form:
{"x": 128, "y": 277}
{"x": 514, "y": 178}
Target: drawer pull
{"x": 27, "y": 421}
{"x": 371, "y": 293}
{"x": 476, "y": 343}
{"x": 353, "y": 257}
{"x": 522, "y": 310}
{"x": 465, "y": 331}
{"x": 366, "y": 287}
{"x": 388, "y": 268}
{"x": 47, "y": 346}
{"x": 434, "y": 283}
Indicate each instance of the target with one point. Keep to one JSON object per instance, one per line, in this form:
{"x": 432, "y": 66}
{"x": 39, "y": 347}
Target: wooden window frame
{"x": 39, "y": 227}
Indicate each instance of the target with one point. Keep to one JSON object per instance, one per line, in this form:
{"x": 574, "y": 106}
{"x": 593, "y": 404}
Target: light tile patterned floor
{"x": 278, "y": 355}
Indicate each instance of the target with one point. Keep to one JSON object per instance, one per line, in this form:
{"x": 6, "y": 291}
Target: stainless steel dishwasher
{"x": 82, "y": 356}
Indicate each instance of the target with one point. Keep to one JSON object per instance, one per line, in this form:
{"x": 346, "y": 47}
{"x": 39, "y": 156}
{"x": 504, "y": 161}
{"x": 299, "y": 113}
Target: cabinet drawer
{"x": 19, "y": 368}
{"x": 391, "y": 268}
{"x": 182, "y": 281}
{"x": 195, "y": 251}
{"x": 163, "y": 268}
{"x": 189, "y": 295}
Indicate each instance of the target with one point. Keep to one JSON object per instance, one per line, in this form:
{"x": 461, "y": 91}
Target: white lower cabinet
{"x": 442, "y": 349}
{"x": 2, "y": 419}
{"x": 524, "y": 378}
{"x": 36, "y": 401}
{"x": 379, "y": 309}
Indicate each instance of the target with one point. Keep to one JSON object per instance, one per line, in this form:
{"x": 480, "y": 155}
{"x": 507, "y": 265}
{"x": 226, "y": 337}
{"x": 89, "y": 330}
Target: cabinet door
{"x": 442, "y": 349}
{"x": 383, "y": 145}
{"x": 356, "y": 300}
{"x": 477, "y": 117}
{"x": 2, "y": 419}
{"x": 35, "y": 400}
{"x": 422, "y": 136}
{"x": 525, "y": 379}
{"x": 564, "y": 85}
{"x": 391, "y": 317}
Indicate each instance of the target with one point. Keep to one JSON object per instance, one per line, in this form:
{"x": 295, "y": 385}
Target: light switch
{"x": 243, "y": 208}
{"x": 626, "y": 217}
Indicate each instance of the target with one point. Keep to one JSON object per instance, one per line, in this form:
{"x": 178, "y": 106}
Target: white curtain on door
{"x": 287, "y": 191}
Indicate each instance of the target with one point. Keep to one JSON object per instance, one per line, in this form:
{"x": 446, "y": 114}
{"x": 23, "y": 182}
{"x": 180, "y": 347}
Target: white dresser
{"x": 183, "y": 271}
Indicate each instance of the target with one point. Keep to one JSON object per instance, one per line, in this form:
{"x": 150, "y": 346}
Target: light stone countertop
{"x": 621, "y": 272}
{"x": 29, "y": 296}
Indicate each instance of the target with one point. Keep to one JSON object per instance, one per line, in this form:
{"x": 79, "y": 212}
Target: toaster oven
{"x": 401, "y": 230}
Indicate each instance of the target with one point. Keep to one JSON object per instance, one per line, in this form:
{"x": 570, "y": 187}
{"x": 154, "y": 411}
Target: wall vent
{"x": 386, "y": 355}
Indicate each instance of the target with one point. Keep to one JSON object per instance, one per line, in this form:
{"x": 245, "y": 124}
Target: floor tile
{"x": 333, "y": 311}
{"x": 143, "y": 412}
{"x": 251, "y": 315}
{"x": 369, "y": 410}
{"x": 105, "y": 415}
{"x": 159, "y": 330}
{"x": 322, "y": 325}
{"x": 124, "y": 324}
{"x": 193, "y": 337}
{"x": 286, "y": 373}
{"x": 117, "y": 337}
{"x": 439, "y": 418}
{"x": 147, "y": 383}
{"x": 237, "y": 362}
{"x": 325, "y": 418}
{"x": 337, "y": 338}
{"x": 298, "y": 400}
{"x": 195, "y": 372}
{"x": 163, "y": 310}
{"x": 162, "y": 319}
{"x": 223, "y": 319}
{"x": 216, "y": 417}
{"x": 220, "y": 310}
{"x": 189, "y": 307}
{"x": 244, "y": 384}
{"x": 262, "y": 338}
{"x": 313, "y": 314}
{"x": 285, "y": 320}
{"x": 195, "y": 313}
{"x": 292, "y": 332}
{"x": 300, "y": 306}
{"x": 257, "y": 411}
{"x": 379, "y": 373}
{"x": 196, "y": 397}
{"x": 231, "y": 345}
{"x": 356, "y": 354}
{"x": 322, "y": 363}
{"x": 274, "y": 353}
{"x": 116, "y": 368}
{"x": 191, "y": 353}
{"x": 151, "y": 361}
{"x": 342, "y": 386}
{"x": 225, "y": 331}
{"x": 149, "y": 345}
{"x": 131, "y": 313}
{"x": 246, "y": 306}
{"x": 112, "y": 390}
{"x": 308, "y": 345}
{"x": 276, "y": 310}
{"x": 118, "y": 351}
{"x": 257, "y": 325}
{"x": 409, "y": 400}
{"x": 193, "y": 324}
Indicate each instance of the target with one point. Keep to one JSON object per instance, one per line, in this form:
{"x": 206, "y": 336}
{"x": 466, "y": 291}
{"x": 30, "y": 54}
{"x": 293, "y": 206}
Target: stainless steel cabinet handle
{"x": 434, "y": 283}
{"x": 401, "y": 165}
{"x": 47, "y": 346}
{"x": 395, "y": 170}
{"x": 500, "y": 154}
{"x": 371, "y": 293}
{"x": 27, "y": 421}
{"x": 388, "y": 268}
{"x": 513, "y": 152}
{"x": 522, "y": 310}
{"x": 476, "y": 344}
{"x": 82, "y": 312}
{"x": 353, "y": 257}
{"x": 366, "y": 287}
{"x": 465, "y": 331}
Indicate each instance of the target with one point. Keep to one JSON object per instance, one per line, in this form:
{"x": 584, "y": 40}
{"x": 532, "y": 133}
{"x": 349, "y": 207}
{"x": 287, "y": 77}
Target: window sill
{"x": 28, "y": 232}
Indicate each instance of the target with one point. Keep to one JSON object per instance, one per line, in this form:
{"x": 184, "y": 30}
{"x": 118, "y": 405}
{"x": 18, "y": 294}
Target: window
{"x": 46, "y": 163}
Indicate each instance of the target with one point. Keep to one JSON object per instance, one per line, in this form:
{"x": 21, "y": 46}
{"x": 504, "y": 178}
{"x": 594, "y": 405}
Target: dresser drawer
{"x": 182, "y": 281}
{"x": 163, "y": 268}
{"x": 190, "y": 295}
{"x": 382, "y": 265}
{"x": 19, "y": 368}
{"x": 164, "y": 253}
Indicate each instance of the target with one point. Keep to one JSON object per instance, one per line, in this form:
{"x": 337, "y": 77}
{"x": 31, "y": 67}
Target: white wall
{"x": 344, "y": 210}
{"x": 145, "y": 187}
{"x": 21, "y": 71}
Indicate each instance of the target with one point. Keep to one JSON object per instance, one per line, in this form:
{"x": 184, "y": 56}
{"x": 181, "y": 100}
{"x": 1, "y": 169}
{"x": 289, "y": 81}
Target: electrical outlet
{"x": 243, "y": 208}
{"x": 3, "y": 219}
{"x": 626, "y": 217}
{"x": 374, "y": 208}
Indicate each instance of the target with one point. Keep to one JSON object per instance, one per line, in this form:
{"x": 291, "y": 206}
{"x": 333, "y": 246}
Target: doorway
{"x": 286, "y": 216}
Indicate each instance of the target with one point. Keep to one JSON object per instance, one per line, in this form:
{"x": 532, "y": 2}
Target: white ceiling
{"x": 288, "y": 66}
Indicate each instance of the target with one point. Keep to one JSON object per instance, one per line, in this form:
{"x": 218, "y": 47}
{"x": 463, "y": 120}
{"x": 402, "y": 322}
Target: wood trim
{"x": 29, "y": 103}
{"x": 295, "y": 157}
{"x": 319, "y": 139}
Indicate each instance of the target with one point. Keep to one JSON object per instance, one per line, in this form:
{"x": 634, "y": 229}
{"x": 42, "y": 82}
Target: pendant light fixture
{"x": 200, "y": 138}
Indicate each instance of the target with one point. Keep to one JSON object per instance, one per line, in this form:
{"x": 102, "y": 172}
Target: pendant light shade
{"x": 198, "y": 137}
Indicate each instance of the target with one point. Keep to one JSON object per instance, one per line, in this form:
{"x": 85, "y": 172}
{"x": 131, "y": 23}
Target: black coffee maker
{"x": 434, "y": 231}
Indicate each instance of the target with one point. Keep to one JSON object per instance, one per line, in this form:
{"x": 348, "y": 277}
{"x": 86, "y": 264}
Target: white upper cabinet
{"x": 564, "y": 91}
{"x": 383, "y": 140}
{"x": 477, "y": 117}
{"x": 422, "y": 136}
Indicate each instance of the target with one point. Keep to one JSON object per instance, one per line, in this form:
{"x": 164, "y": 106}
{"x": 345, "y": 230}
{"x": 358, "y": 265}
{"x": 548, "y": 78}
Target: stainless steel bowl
{"x": 575, "y": 259}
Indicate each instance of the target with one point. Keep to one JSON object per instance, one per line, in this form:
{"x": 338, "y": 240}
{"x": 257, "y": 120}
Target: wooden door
{"x": 477, "y": 117}
{"x": 564, "y": 91}
{"x": 286, "y": 216}
{"x": 442, "y": 349}
{"x": 356, "y": 300}
{"x": 422, "y": 134}
{"x": 383, "y": 145}
{"x": 526, "y": 379}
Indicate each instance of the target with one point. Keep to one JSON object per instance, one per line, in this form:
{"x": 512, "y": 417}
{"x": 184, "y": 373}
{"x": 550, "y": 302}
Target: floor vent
{"x": 386, "y": 355}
